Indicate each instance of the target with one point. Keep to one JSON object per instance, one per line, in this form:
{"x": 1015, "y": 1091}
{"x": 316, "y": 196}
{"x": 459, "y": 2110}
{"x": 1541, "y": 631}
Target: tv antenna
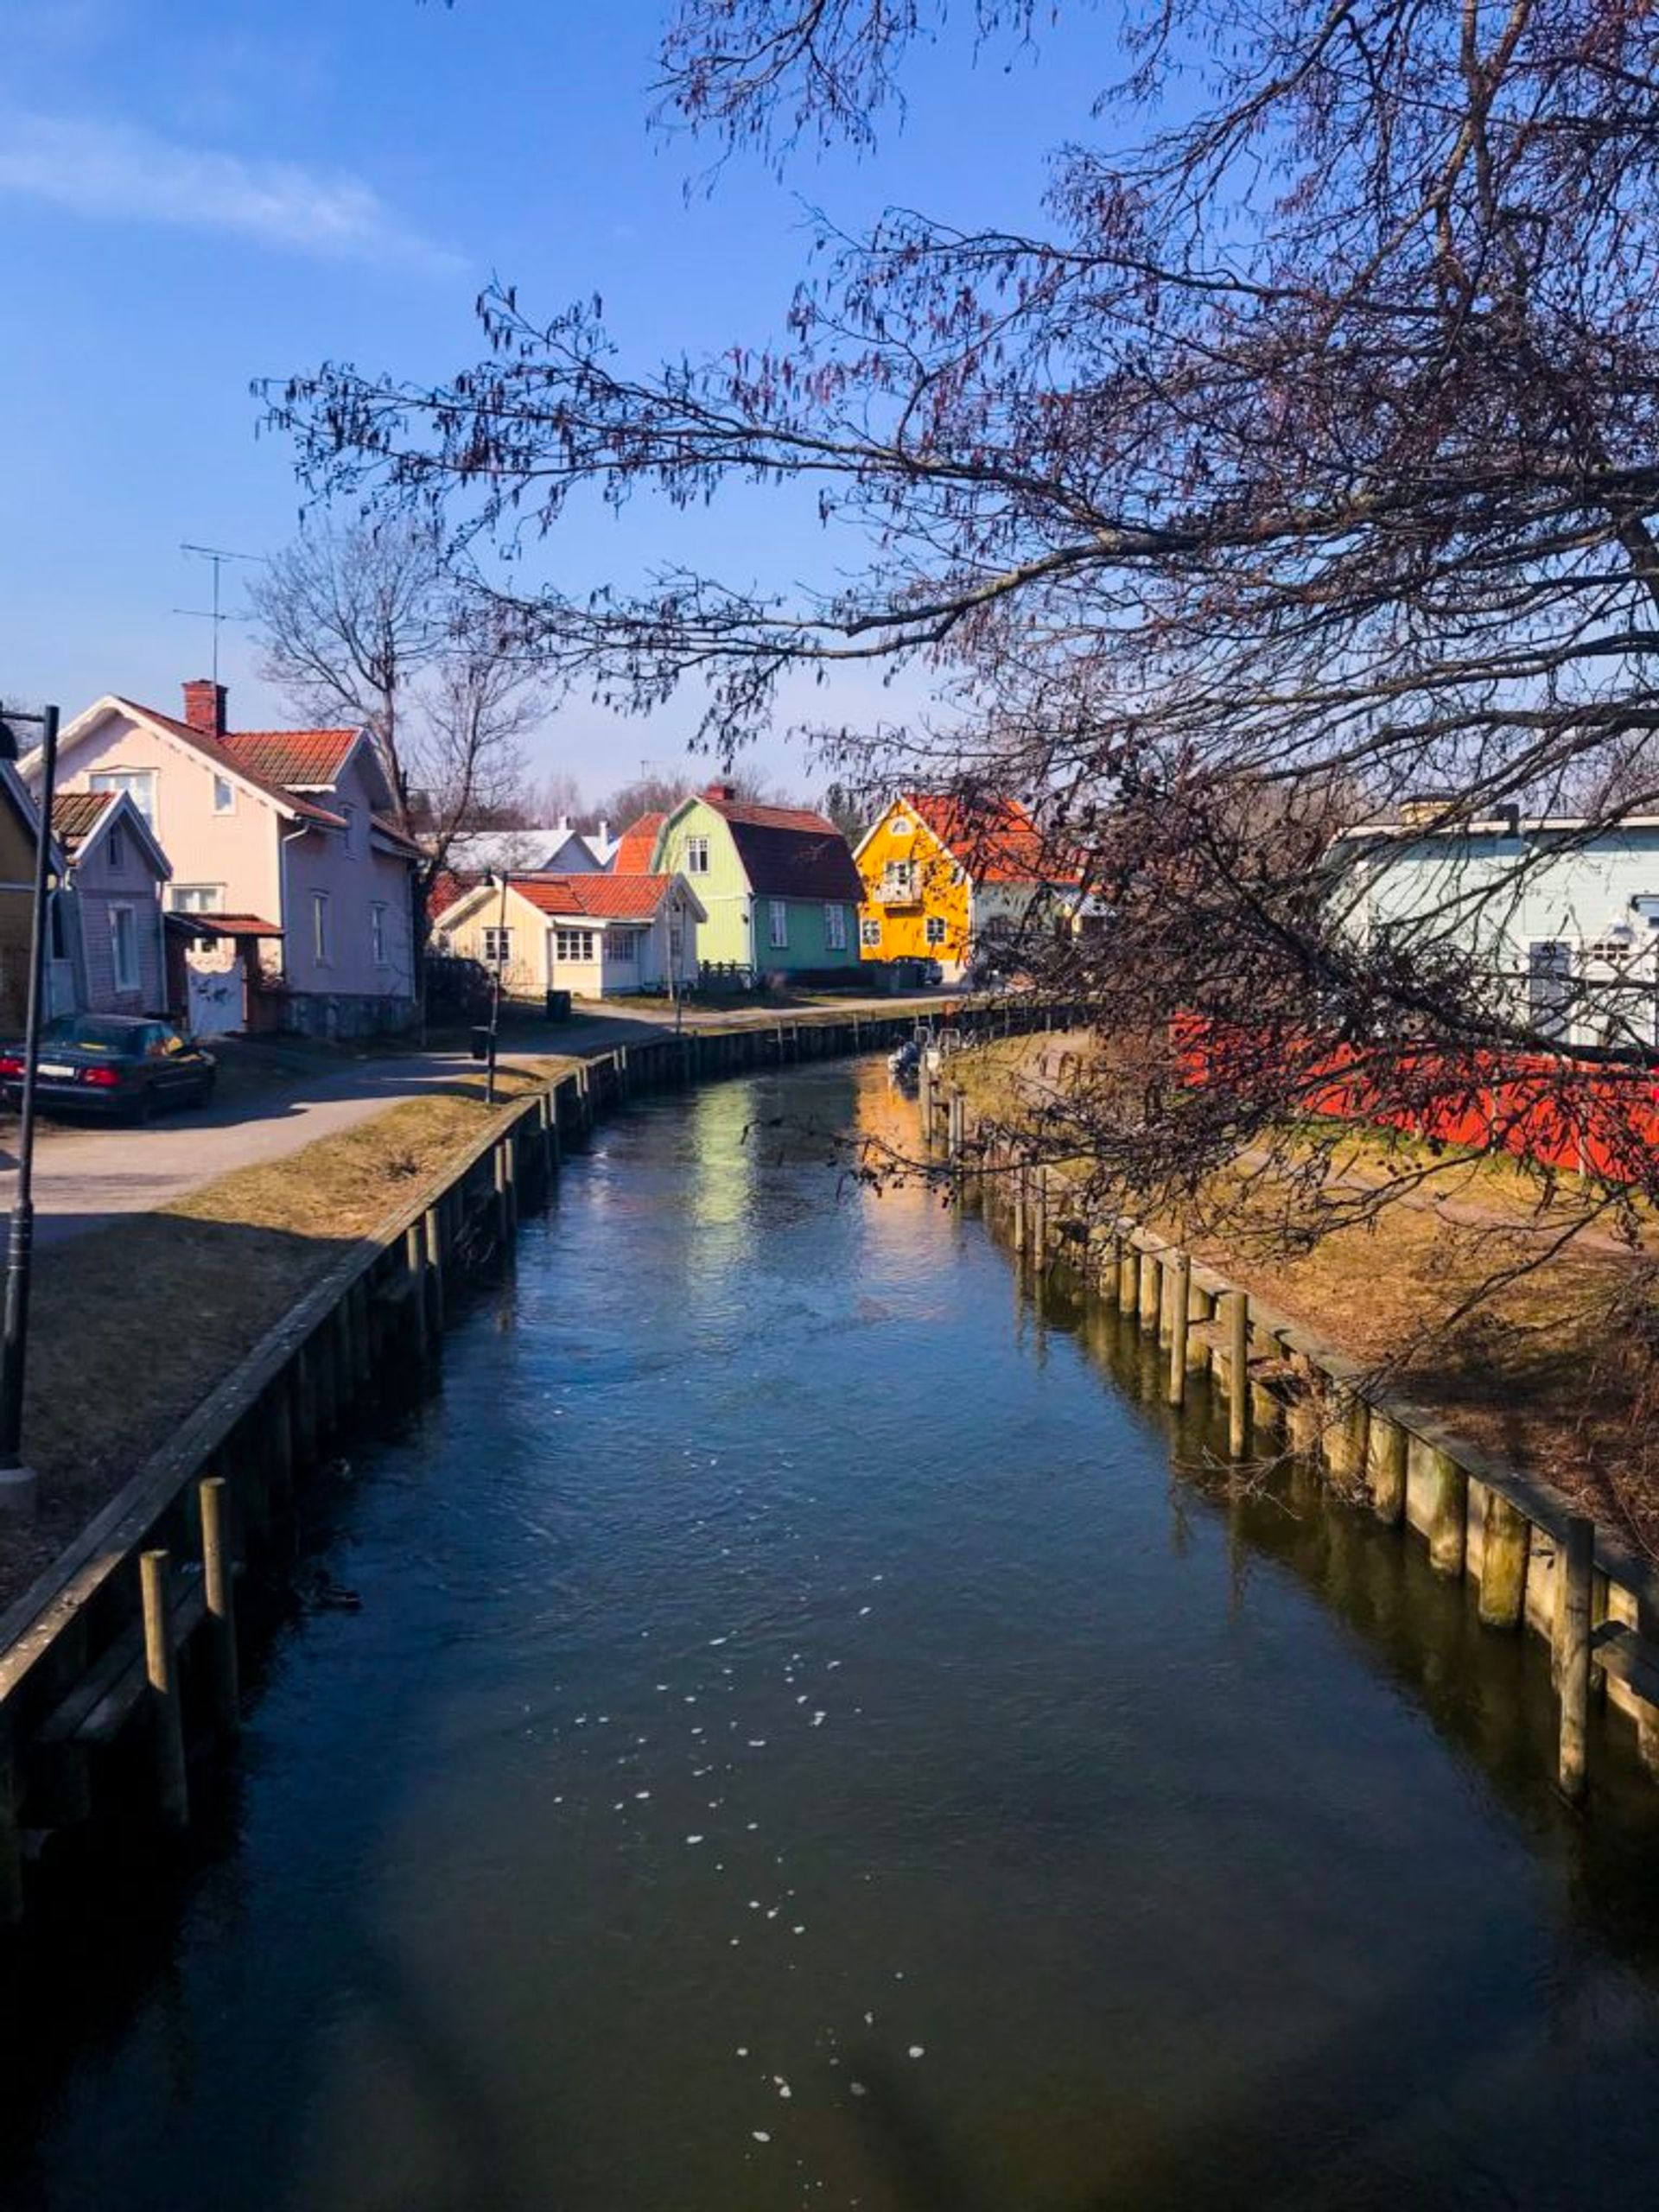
{"x": 218, "y": 556}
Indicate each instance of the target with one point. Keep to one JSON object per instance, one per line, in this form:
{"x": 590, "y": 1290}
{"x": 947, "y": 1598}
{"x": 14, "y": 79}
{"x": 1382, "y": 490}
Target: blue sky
{"x": 192, "y": 196}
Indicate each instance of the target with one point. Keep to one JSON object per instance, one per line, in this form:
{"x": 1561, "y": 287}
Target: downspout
{"x": 283, "y": 842}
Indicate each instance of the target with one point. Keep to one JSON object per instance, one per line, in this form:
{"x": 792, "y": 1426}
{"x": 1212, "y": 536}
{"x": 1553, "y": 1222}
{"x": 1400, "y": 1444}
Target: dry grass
{"x": 1549, "y": 1366}
{"x": 134, "y": 1325}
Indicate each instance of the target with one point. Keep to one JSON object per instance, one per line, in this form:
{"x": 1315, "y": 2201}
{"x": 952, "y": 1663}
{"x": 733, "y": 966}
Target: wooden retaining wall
{"x": 1537, "y": 1562}
{"x": 131, "y": 1640}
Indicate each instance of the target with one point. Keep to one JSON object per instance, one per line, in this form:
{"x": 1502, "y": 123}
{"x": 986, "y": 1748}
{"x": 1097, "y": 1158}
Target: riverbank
{"x": 1541, "y": 1370}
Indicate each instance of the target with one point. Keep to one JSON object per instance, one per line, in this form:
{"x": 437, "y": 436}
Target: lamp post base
{"x": 19, "y": 1490}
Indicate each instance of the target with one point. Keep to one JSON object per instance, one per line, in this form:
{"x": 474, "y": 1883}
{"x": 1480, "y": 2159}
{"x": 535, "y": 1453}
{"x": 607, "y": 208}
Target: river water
{"x": 813, "y": 1735}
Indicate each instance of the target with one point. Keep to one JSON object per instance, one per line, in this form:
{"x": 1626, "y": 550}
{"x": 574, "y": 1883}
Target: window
{"x": 198, "y": 898}
{"x": 115, "y": 850}
{"x": 869, "y": 933}
{"x": 573, "y": 944}
{"x": 623, "y": 944}
{"x": 936, "y": 929}
{"x": 377, "y": 931}
{"x": 320, "y": 927}
{"x": 1550, "y": 987}
{"x": 777, "y": 925}
{"x": 498, "y": 946}
{"x": 124, "y": 948}
{"x": 350, "y": 813}
{"x": 676, "y": 935}
{"x": 224, "y": 795}
{"x": 139, "y": 784}
{"x": 899, "y": 880}
{"x": 696, "y": 857}
{"x": 835, "y": 928}
{"x": 900, "y": 826}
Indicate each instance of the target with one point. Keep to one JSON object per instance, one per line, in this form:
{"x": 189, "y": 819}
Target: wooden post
{"x": 1385, "y": 1468}
{"x": 1502, "y": 1562}
{"x": 1039, "y": 1216}
{"x": 218, "y": 1591}
{"x": 432, "y": 1230}
{"x": 1449, "y": 1513}
{"x": 1021, "y": 1172}
{"x": 362, "y": 1331}
{"x": 166, "y": 1723}
{"x": 1152, "y": 1288}
{"x": 1237, "y": 1304}
{"x": 1128, "y": 1276}
{"x": 11, "y": 1839}
{"x": 1572, "y": 1651}
{"x": 1179, "y": 1300}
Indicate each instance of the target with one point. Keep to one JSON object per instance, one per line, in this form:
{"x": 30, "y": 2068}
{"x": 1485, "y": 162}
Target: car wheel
{"x": 145, "y": 1110}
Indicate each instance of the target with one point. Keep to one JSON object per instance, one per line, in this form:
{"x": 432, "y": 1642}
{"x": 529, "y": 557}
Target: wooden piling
{"x": 1152, "y": 1288}
{"x": 1237, "y": 1306}
{"x": 1385, "y": 1468}
{"x": 1573, "y": 1653}
{"x": 218, "y": 1592}
{"x": 1179, "y": 1302}
{"x": 1504, "y": 1544}
{"x": 1039, "y": 1215}
{"x": 1128, "y": 1276}
{"x": 167, "y": 1722}
{"x": 1449, "y": 1512}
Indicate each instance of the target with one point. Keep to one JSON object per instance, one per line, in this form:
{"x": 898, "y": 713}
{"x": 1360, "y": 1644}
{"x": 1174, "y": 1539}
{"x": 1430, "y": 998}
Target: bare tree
{"x": 1302, "y": 462}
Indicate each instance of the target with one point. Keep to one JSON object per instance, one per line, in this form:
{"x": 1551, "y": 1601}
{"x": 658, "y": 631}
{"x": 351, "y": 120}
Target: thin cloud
{"x": 117, "y": 172}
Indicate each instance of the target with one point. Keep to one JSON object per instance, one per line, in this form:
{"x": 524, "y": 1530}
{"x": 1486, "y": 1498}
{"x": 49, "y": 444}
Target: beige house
{"x": 595, "y": 935}
{"x": 286, "y": 829}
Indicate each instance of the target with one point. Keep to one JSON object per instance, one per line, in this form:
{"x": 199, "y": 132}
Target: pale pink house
{"x": 285, "y": 831}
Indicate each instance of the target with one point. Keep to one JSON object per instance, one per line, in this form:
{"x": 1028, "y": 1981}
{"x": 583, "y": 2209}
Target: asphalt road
{"x": 272, "y": 1102}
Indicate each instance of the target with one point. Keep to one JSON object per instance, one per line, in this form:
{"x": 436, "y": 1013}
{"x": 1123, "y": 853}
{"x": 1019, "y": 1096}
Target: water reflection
{"x": 811, "y": 1737}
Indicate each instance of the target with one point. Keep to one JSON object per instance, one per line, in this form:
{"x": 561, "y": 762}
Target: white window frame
{"x": 498, "y": 945}
{"x": 574, "y": 947}
{"x": 139, "y": 784}
{"x": 123, "y": 959}
{"x": 777, "y": 925}
{"x": 377, "y": 932}
{"x": 623, "y": 943}
{"x": 933, "y": 929}
{"x": 696, "y": 857}
{"x": 319, "y": 952}
{"x": 224, "y": 795}
{"x": 899, "y": 880}
{"x": 901, "y": 826}
{"x": 869, "y": 932}
{"x": 834, "y": 926}
{"x": 197, "y": 898}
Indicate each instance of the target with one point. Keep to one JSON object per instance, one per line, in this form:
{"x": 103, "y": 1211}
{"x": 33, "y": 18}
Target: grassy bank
{"x": 1551, "y": 1367}
{"x": 133, "y": 1325}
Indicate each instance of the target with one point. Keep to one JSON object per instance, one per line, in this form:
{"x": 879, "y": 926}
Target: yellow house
{"x": 941, "y": 874}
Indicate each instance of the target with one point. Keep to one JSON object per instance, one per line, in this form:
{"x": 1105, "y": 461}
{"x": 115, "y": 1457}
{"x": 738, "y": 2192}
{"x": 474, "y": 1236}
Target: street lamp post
{"x": 17, "y": 1482}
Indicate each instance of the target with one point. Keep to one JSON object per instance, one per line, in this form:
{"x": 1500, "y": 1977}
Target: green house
{"x": 777, "y": 882}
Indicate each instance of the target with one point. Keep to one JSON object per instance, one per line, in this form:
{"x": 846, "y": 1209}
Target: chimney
{"x": 564, "y": 825}
{"x": 726, "y": 793}
{"x": 204, "y": 707}
{"x": 604, "y": 832}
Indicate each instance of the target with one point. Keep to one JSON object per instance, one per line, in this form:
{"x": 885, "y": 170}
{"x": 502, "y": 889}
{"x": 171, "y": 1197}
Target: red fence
{"x": 1565, "y": 1113}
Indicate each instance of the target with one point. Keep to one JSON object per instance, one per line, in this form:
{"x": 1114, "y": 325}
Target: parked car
{"x": 113, "y": 1064}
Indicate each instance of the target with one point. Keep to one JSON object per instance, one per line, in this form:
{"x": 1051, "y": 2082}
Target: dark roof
{"x": 787, "y": 852}
{"x": 75, "y": 816}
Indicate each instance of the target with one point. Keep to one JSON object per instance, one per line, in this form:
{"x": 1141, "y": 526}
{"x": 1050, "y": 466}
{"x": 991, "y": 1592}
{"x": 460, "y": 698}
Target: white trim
{"x": 91, "y": 718}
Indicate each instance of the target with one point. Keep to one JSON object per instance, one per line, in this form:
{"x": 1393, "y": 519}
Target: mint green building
{"x": 778, "y": 883}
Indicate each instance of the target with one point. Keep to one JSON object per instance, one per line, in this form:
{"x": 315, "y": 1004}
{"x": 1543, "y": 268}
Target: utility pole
{"x": 18, "y": 1483}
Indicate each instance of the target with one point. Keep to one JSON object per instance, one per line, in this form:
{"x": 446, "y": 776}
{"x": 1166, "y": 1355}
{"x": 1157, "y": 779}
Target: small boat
{"x": 905, "y": 1063}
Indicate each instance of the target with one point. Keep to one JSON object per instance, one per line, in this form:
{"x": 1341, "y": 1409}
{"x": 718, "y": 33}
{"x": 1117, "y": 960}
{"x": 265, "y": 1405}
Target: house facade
{"x": 110, "y": 904}
{"x": 1560, "y": 914}
{"x": 939, "y": 877}
{"x": 593, "y": 934}
{"x": 776, "y": 883}
{"x": 287, "y": 829}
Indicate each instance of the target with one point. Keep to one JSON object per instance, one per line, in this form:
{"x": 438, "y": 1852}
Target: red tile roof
{"x": 637, "y": 845}
{"x": 789, "y": 852}
{"x": 994, "y": 840}
{"x": 213, "y": 749}
{"x": 631, "y": 897}
{"x": 226, "y": 924}
{"x": 301, "y": 760}
{"x": 75, "y": 815}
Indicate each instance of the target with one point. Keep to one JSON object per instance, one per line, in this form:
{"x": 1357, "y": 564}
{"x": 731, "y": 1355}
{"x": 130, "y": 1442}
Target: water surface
{"x": 804, "y": 1741}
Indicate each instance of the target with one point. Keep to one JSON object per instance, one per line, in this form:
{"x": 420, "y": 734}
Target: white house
{"x": 1561, "y": 914}
{"x": 285, "y": 830}
{"x": 595, "y": 935}
{"x": 546, "y": 850}
{"x": 107, "y": 912}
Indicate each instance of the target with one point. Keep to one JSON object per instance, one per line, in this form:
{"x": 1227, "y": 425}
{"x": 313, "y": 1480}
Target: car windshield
{"x": 83, "y": 1033}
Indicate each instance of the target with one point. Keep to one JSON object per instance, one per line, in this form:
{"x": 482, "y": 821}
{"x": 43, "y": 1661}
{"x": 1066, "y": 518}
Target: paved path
{"x": 271, "y": 1103}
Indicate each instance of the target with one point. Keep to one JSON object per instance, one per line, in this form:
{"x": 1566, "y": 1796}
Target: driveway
{"x": 274, "y": 1099}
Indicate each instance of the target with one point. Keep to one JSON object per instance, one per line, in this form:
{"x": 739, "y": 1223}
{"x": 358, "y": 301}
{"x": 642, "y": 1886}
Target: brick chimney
{"x": 725, "y": 792}
{"x": 204, "y": 707}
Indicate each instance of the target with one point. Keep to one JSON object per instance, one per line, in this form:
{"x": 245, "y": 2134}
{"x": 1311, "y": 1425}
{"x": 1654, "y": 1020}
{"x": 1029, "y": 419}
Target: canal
{"x": 789, "y": 1724}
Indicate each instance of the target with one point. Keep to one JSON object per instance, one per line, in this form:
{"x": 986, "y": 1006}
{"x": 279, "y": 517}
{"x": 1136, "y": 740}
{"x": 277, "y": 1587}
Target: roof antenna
{"x": 218, "y": 556}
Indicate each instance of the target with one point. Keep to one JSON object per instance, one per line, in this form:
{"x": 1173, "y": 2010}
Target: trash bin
{"x": 558, "y": 1006}
{"x": 480, "y": 1044}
